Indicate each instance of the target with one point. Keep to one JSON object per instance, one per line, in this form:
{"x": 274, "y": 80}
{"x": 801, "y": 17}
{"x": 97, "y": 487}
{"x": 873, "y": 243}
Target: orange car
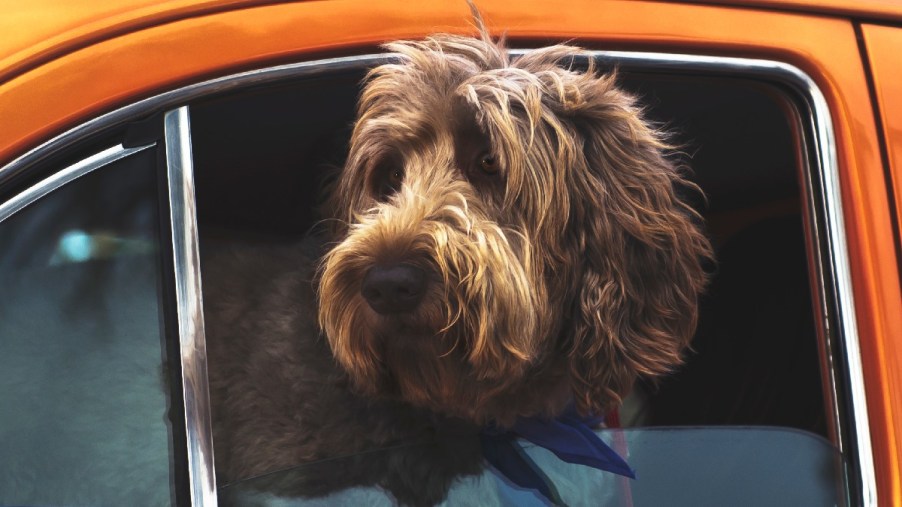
{"x": 128, "y": 126}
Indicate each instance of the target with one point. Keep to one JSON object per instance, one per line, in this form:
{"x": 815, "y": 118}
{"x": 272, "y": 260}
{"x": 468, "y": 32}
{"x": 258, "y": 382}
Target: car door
{"x": 101, "y": 316}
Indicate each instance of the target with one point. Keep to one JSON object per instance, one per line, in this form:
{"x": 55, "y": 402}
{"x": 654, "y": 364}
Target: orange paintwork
{"x": 884, "y": 44}
{"x": 118, "y": 60}
{"x": 888, "y": 10}
{"x": 38, "y": 31}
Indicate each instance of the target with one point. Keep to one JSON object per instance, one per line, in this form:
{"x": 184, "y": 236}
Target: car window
{"x": 85, "y": 410}
{"x": 756, "y": 414}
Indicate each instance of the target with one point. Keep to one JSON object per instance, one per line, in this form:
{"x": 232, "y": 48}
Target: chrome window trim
{"x": 835, "y": 266}
{"x": 64, "y": 176}
{"x": 189, "y": 303}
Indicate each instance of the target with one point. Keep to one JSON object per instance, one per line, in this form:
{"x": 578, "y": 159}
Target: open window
{"x": 762, "y": 400}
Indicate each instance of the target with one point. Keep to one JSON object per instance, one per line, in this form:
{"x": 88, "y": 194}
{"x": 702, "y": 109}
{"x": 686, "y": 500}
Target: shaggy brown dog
{"x": 510, "y": 241}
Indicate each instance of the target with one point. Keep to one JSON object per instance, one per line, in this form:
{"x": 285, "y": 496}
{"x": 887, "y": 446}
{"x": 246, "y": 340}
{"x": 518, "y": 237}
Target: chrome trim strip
{"x": 67, "y": 175}
{"x": 837, "y": 261}
{"x": 185, "y": 250}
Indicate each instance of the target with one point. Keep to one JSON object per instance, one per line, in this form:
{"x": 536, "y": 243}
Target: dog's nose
{"x": 394, "y": 289}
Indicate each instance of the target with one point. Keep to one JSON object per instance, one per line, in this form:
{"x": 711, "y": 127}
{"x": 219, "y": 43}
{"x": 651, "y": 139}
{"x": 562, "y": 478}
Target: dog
{"x": 508, "y": 239}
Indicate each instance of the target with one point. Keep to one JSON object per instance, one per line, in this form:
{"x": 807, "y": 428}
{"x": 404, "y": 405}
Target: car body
{"x": 73, "y": 73}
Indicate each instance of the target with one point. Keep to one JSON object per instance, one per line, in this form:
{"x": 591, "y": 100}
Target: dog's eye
{"x": 395, "y": 177}
{"x": 489, "y": 164}
{"x": 391, "y": 183}
{"x": 388, "y": 179}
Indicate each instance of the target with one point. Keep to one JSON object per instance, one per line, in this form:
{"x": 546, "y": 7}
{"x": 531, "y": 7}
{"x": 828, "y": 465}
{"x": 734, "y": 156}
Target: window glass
{"x": 674, "y": 467}
{"x": 83, "y": 398}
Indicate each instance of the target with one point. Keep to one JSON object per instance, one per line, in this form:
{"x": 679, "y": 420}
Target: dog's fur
{"x": 561, "y": 265}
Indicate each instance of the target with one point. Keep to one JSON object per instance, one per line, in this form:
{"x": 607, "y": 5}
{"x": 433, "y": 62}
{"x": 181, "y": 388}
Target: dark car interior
{"x": 262, "y": 155}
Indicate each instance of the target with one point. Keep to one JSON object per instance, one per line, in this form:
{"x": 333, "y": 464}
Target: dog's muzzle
{"x": 396, "y": 288}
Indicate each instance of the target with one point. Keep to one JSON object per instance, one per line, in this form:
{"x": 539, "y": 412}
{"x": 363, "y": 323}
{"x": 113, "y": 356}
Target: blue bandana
{"x": 569, "y": 437}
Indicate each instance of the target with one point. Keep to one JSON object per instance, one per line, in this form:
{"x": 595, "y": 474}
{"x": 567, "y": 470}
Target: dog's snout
{"x": 395, "y": 288}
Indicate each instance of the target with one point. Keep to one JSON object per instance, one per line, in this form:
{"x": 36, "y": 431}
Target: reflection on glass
{"x": 689, "y": 466}
{"x": 83, "y": 403}
{"x": 77, "y": 245}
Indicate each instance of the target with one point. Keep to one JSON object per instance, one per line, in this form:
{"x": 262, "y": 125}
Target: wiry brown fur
{"x": 560, "y": 275}
{"x": 577, "y": 268}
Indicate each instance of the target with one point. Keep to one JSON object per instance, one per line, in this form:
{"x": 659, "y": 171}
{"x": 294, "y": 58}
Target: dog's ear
{"x": 637, "y": 246}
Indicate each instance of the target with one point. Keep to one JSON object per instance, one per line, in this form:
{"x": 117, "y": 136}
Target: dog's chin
{"x": 421, "y": 364}
{"x": 428, "y": 367}
{"x": 416, "y": 364}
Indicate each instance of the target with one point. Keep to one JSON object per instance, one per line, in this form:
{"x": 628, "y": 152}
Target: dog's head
{"x": 510, "y": 232}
